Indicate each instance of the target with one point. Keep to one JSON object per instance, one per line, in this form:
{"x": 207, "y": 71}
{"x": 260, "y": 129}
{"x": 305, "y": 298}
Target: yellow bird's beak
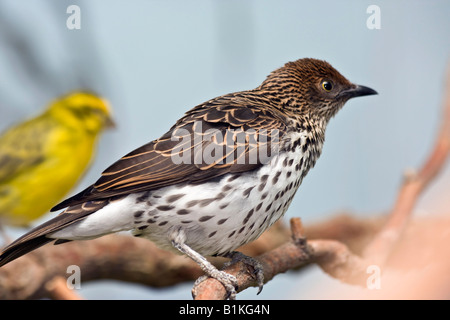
{"x": 109, "y": 123}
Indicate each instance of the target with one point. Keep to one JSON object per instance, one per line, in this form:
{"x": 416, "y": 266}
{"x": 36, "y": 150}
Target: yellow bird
{"x": 43, "y": 158}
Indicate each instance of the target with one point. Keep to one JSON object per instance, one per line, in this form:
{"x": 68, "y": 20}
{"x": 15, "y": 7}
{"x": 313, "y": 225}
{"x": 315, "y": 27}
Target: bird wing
{"x": 235, "y": 128}
{"x": 239, "y": 124}
{"x": 229, "y": 134}
{"x": 22, "y": 148}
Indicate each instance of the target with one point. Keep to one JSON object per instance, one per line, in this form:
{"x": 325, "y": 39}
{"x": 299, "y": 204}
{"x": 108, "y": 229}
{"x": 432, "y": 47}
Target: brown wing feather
{"x": 156, "y": 164}
{"x": 152, "y": 165}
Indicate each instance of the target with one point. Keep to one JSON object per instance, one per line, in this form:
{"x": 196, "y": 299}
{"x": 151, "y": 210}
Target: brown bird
{"x": 223, "y": 174}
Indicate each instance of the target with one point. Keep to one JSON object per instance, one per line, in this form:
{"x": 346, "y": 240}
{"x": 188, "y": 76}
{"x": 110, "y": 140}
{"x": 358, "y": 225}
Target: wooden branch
{"x": 332, "y": 256}
{"x": 58, "y": 290}
{"x": 117, "y": 257}
{"x": 290, "y": 255}
{"x": 129, "y": 259}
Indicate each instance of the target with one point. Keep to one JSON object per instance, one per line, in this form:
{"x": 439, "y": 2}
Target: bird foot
{"x": 227, "y": 280}
{"x": 257, "y": 272}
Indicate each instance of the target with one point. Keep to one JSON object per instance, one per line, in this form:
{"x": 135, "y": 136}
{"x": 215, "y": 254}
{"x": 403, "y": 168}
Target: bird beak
{"x": 357, "y": 91}
{"x": 109, "y": 123}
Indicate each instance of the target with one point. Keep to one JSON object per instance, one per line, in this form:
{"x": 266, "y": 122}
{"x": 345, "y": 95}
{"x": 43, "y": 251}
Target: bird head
{"x": 83, "y": 110}
{"x": 313, "y": 87}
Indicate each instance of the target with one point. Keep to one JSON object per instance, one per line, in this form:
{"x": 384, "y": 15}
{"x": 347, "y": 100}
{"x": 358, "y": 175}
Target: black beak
{"x": 357, "y": 91}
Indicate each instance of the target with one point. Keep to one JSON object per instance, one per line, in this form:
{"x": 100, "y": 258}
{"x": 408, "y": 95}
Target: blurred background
{"x": 154, "y": 60}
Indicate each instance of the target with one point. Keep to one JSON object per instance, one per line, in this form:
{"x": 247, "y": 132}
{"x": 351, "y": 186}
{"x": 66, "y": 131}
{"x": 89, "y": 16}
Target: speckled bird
{"x": 221, "y": 176}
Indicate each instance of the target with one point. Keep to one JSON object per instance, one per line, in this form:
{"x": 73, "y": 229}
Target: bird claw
{"x": 227, "y": 280}
{"x": 257, "y": 267}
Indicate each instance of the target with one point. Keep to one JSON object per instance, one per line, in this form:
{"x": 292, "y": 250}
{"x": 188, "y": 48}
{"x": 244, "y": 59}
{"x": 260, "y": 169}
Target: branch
{"x": 58, "y": 290}
{"x": 129, "y": 259}
{"x": 413, "y": 186}
{"x": 332, "y": 256}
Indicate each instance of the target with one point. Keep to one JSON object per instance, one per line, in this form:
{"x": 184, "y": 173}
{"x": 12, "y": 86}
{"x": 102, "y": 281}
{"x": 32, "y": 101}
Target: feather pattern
{"x": 154, "y": 165}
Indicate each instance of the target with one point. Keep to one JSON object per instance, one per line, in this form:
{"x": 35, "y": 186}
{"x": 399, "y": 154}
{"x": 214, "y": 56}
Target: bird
{"x": 42, "y": 158}
{"x": 225, "y": 172}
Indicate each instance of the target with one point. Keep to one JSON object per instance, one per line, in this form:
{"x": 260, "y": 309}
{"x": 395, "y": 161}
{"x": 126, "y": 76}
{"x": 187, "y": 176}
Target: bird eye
{"x": 327, "y": 86}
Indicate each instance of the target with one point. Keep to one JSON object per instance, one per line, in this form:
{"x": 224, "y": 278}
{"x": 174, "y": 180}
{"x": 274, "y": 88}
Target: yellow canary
{"x": 43, "y": 158}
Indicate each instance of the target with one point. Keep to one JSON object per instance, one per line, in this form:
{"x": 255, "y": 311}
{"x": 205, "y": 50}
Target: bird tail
{"x": 40, "y": 235}
{"x": 19, "y": 248}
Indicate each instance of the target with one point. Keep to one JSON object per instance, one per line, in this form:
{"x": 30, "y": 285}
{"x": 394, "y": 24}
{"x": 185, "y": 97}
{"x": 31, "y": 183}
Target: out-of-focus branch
{"x": 129, "y": 259}
{"x": 58, "y": 290}
{"x": 332, "y": 256}
{"x": 413, "y": 186}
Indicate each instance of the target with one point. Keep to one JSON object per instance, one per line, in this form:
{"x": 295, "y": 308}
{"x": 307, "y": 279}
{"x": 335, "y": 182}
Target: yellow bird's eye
{"x": 327, "y": 86}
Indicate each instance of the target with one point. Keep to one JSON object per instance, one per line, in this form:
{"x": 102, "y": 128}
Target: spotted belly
{"x": 220, "y": 216}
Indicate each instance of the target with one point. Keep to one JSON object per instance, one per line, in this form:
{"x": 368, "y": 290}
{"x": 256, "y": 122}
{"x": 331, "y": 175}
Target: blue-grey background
{"x": 154, "y": 60}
